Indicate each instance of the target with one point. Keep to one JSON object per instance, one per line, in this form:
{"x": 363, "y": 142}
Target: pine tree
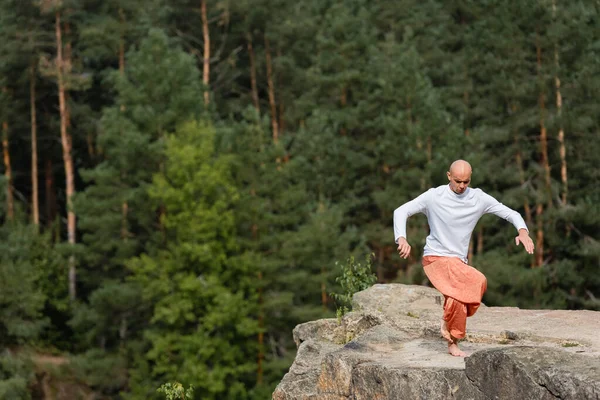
{"x": 325, "y": 117}
{"x": 131, "y": 144}
{"x": 131, "y": 135}
{"x": 572, "y": 238}
{"x": 202, "y": 289}
{"x": 22, "y": 300}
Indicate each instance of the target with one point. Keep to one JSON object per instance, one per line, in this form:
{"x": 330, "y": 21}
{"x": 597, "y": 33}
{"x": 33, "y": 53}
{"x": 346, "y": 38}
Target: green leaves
{"x": 176, "y": 391}
{"x": 353, "y": 278}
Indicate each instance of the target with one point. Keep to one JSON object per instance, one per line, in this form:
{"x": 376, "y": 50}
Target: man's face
{"x": 459, "y": 180}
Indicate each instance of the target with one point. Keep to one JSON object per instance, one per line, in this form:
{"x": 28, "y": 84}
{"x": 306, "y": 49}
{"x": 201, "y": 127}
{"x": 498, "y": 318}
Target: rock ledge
{"x": 390, "y": 348}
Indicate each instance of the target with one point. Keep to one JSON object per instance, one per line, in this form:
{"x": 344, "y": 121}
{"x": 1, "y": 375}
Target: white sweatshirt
{"x": 452, "y": 218}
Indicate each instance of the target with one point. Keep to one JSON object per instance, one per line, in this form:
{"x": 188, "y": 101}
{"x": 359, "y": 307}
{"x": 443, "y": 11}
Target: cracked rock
{"x": 534, "y": 373}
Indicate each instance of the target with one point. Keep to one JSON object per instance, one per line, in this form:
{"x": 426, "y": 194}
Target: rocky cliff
{"x": 389, "y": 347}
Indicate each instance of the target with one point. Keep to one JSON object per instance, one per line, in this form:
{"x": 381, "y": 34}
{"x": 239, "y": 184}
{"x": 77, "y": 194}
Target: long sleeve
{"x": 402, "y": 213}
{"x": 493, "y": 206}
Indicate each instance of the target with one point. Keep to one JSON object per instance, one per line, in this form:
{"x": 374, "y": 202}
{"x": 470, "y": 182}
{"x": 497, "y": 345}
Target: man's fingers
{"x": 404, "y": 250}
{"x": 527, "y": 243}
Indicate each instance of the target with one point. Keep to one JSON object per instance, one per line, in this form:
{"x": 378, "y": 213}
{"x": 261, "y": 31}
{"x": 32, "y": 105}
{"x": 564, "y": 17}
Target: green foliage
{"x": 194, "y": 237}
{"x": 131, "y": 138}
{"x": 353, "y": 278}
{"x": 203, "y": 326}
{"x": 99, "y": 370}
{"x": 116, "y": 213}
{"x": 16, "y": 374}
{"x": 25, "y": 262}
{"x": 176, "y": 391}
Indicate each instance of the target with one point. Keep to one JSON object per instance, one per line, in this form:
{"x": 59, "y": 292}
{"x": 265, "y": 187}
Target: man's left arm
{"x": 493, "y": 206}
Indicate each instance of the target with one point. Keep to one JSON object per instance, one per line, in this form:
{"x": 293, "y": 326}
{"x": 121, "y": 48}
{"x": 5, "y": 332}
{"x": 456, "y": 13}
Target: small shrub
{"x": 354, "y": 277}
{"x": 176, "y": 391}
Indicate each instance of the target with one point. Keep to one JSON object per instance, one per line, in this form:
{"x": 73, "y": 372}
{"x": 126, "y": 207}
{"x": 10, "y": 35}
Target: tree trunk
{"x": 539, "y": 255}
{"x": 123, "y": 330}
{"x": 90, "y": 136}
{"x": 10, "y": 201}
{"x": 562, "y": 148}
{"x": 519, "y": 160}
{"x": 539, "y": 246}
{"x": 206, "y": 59}
{"x": 544, "y": 152}
{"x": 124, "y": 206}
{"x": 418, "y": 143}
{"x": 280, "y": 104}
{"x": 543, "y": 133}
{"x": 35, "y": 205}
{"x": 90, "y": 145}
{"x": 124, "y": 227}
{"x": 122, "y": 43}
{"x": 66, "y": 70}
{"x": 253, "y": 84}
{"x": 50, "y": 195}
{"x": 271, "y": 87}
{"x": 467, "y": 123}
{"x": 66, "y": 142}
{"x": 526, "y": 206}
{"x": 480, "y": 241}
{"x": 561, "y": 131}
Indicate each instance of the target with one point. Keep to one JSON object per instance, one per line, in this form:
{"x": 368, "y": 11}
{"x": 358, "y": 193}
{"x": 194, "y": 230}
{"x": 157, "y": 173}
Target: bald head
{"x": 459, "y": 176}
{"x": 460, "y": 166}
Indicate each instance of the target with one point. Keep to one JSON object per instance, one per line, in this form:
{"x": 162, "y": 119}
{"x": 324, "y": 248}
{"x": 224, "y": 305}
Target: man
{"x": 452, "y": 212}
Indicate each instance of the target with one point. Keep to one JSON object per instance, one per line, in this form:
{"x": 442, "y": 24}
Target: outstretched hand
{"x": 525, "y": 240}
{"x": 403, "y": 248}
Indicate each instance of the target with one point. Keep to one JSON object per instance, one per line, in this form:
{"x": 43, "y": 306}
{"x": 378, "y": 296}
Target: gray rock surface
{"x": 534, "y": 373}
{"x": 390, "y": 347}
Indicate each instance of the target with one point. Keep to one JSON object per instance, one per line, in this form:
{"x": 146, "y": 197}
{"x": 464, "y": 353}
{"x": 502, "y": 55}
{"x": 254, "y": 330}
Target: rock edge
{"x": 390, "y": 348}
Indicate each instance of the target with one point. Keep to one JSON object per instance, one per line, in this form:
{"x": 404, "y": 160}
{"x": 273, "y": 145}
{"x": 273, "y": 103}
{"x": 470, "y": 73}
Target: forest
{"x": 182, "y": 181}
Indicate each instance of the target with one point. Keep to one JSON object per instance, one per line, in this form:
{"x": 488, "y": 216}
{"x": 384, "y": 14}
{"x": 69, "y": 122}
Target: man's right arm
{"x": 401, "y": 215}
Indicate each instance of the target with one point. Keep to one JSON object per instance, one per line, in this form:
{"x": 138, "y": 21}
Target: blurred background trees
{"x": 180, "y": 177}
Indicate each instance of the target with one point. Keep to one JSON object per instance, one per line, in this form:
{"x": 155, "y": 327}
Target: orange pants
{"x": 462, "y": 286}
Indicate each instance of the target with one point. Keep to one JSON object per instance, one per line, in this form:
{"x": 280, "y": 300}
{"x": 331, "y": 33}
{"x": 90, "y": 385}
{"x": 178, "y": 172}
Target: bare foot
{"x": 455, "y": 351}
{"x": 445, "y": 332}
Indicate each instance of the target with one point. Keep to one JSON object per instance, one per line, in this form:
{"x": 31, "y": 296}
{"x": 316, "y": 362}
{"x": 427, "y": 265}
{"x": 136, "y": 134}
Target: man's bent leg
{"x": 463, "y": 288}
{"x": 455, "y": 315}
{"x": 455, "y": 318}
